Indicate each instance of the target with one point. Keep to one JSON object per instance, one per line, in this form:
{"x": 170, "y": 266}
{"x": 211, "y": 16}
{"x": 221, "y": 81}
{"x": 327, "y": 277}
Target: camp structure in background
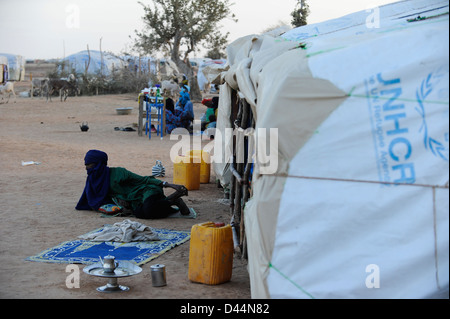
{"x": 104, "y": 63}
{"x": 208, "y": 71}
{"x": 358, "y": 203}
{"x": 95, "y": 62}
{"x": 3, "y": 69}
{"x": 15, "y": 67}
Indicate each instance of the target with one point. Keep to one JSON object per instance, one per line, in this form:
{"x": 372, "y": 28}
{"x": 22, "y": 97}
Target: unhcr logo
{"x": 391, "y": 134}
{"x": 433, "y": 144}
{"x": 395, "y": 109}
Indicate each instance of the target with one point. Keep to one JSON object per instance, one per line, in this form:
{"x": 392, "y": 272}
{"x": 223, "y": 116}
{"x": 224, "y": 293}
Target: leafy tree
{"x": 217, "y": 48}
{"x": 300, "y": 14}
{"x": 177, "y": 28}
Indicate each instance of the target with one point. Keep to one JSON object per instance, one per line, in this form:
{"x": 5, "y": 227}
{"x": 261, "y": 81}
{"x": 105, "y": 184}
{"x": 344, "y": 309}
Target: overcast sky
{"x": 44, "y": 29}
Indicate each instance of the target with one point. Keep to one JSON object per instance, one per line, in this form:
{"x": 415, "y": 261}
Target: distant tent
{"x": 208, "y": 71}
{"x": 98, "y": 63}
{"x": 358, "y": 204}
{"x": 16, "y": 67}
{"x": 93, "y": 61}
{"x": 3, "y": 69}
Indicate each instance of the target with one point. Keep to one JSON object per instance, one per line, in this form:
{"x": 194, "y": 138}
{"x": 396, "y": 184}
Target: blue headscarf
{"x": 184, "y": 98}
{"x": 184, "y": 104}
{"x": 97, "y": 183}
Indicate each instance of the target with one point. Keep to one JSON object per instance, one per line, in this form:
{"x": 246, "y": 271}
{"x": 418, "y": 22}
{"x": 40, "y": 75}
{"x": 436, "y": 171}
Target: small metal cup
{"x": 158, "y": 275}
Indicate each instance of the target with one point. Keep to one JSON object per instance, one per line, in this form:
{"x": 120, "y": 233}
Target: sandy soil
{"x": 37, "y": 202}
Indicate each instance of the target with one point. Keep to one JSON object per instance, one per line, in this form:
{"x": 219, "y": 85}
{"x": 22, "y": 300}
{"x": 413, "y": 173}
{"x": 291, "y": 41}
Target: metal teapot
{"x": 109, "y": 264}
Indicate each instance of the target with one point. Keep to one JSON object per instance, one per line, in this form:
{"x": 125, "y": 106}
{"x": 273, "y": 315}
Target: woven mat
{"x": 88, "y": 252}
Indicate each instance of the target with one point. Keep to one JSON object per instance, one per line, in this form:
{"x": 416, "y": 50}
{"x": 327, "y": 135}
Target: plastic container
{"x": 205, "y": 165}
{"x": 211, "y": 253}
{"x": 186, "y": 171}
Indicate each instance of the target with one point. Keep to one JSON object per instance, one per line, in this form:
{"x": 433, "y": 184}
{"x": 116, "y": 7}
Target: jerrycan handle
{"x": 213, "y": 225}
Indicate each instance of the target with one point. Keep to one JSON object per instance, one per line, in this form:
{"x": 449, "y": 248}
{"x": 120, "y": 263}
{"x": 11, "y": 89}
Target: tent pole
{"x": 244, "y": 170}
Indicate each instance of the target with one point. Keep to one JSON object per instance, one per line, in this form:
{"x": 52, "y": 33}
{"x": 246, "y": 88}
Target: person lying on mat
{"x": 144, "y": 195}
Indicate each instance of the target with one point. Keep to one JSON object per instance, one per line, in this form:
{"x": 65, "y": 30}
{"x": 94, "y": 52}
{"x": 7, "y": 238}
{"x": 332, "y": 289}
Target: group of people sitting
{"x": 181, "y": 114}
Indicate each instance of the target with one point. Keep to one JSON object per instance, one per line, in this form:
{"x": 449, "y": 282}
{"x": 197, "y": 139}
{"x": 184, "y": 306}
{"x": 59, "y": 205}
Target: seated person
{"x": 208, "y": 120}
{"x": 212, "y": 121}
{"x": 144, "y": 195}
{"x": 184, "y": 81}
{"x": 183, "y": 114}
{"x": 170, "y": 105}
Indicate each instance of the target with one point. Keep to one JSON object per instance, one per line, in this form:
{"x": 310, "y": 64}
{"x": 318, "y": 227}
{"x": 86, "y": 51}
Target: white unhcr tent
{"x": 359, "y": 204}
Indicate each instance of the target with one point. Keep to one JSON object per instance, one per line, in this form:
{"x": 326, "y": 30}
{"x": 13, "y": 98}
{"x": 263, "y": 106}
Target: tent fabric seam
{"x": 357, "y": 181}
{"x": 291, "y": 281}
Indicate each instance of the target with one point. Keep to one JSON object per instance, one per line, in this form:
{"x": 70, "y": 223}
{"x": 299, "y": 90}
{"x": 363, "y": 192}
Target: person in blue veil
{"x": 144, "y": 195}
{"x": 95, "y": 193}
{"x": 184, "y": 104}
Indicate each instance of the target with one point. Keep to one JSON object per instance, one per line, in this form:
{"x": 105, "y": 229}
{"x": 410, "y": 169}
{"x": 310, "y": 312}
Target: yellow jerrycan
{"x": 211, "y": 253}
{"x": 186, "y": 171}
{"x": 205, "y": 165}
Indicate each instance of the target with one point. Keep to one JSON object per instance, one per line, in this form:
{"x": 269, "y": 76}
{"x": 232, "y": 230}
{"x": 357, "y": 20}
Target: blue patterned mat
{"x": 88, "y": 252}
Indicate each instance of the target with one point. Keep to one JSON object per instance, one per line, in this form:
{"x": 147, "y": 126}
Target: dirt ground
{"x": 37, "y": 201}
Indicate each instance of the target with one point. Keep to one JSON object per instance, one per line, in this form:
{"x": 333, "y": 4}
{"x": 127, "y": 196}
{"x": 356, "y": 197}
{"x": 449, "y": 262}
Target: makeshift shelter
{"x": 353, "y": 200}
{"x": 15, "y": 67}
{"x": 3, "y": 69}
{"x": 208, "y": 71}
{"x": 92, "y": 62}
{"x": 96, "y": 62}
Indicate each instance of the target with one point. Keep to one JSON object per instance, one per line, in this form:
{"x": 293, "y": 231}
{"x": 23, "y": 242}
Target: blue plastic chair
{"x": 150, "y": 102}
